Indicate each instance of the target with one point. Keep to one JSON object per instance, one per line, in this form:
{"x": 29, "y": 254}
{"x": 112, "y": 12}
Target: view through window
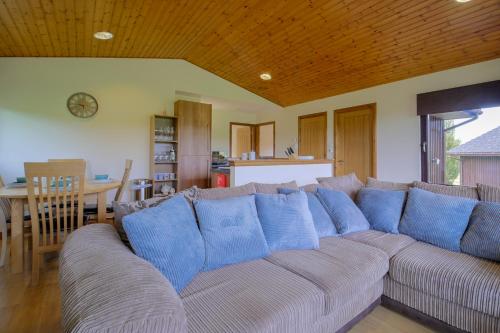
{"x": 472, "y": 148}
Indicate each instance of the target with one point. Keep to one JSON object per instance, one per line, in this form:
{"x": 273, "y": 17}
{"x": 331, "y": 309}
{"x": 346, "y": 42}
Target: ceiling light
{"x": 462, "y": 1}
{"x": 266, "y": 76}
{"x": 104, "y": 35}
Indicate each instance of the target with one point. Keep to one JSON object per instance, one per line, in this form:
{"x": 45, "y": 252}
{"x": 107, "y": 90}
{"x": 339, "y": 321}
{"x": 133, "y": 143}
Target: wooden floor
{"x": 27, "y": 309}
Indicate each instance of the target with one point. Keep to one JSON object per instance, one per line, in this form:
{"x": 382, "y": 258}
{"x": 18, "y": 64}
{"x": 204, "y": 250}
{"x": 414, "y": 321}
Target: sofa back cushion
{"x": 482, "y": 238}
{"x": 437, "y": 219}
{"x": 310, "y": 187}
{"x": 122, "y": 209}
{"x": 231, "y": 231}
{"x": 344, "y": 213}
{"x": 386, "y": 185}
{"x": 488, "y": 193}
{"x": 224, "y": 193}
{"x": 382, "y": 208}
{"x": 350, "y": 184}
{"x": 286, "y": 221}
{"x": 273, "y": 188}
{"x": 322, "y": 222}
{"x": 453, "y": 190}
{"x": 167, "y": 236}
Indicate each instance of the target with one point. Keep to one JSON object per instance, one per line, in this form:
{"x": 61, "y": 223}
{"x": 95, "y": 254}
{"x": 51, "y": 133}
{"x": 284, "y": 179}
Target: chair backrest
{"x": 4, "y": 203}
{"x": 55, "y": 197}
{"x": 123, "y": 186}
{"x": 64, "y": 159}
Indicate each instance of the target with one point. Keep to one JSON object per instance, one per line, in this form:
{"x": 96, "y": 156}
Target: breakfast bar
{"x": 279, "y": 171}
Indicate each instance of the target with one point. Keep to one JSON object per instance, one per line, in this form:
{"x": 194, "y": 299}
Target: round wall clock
{"x": 82, "y": 105}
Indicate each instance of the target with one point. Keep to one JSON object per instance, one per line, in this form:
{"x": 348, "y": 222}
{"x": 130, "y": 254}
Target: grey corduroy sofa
{"x": 106, "y": 288}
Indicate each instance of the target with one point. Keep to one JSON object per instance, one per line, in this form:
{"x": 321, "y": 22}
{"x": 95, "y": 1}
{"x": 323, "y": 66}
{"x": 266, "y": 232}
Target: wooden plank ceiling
{"x": 313, "y": 49}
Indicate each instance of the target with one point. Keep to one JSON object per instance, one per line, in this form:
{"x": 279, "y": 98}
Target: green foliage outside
{"x": 452, "y": 162}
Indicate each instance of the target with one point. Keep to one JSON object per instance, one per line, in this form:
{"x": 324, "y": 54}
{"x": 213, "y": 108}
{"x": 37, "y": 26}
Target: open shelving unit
{"x": 164, "y": 136}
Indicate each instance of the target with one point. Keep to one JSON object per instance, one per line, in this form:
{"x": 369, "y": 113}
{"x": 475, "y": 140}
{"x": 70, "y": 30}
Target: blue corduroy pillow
{"x": 343, "y": 211}
{"x": 382, "y": 208}
{"x": 286, "y": 221}
{"x": 167, "y": 236}
{"x": 322, "y": 222}
{"x": 231, "y": 231}
{"x": 482, "y": 238}
{"x": 437, "y": 219}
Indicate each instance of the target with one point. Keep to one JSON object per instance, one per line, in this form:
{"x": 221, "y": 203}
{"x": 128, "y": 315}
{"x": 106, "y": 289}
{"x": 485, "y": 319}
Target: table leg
{"x": 101, "y": 207}
{"x": 17, "y": 228}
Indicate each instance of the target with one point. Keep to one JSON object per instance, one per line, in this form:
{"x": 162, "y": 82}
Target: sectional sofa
{"x": 105, "y": 287}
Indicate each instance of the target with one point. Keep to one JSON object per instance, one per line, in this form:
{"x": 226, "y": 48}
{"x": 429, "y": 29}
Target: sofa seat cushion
{"x": 339, "y": 269}
{"x": 456, "y": 277}
{"x": 453, "y": 190}
{"x": 254, "y": 296}
{"x": 391, "y": 244}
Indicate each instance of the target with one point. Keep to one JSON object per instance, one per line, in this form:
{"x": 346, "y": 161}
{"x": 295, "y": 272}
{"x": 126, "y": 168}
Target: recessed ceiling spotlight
{"x": 462, "y": 1}
{"x": 103, "y": 35}
{"x": 266, "y": 76}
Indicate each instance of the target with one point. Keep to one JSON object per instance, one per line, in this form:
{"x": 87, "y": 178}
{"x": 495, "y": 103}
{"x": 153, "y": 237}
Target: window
{"x": 460, "y": 134}
{"x": 464, "y": 147}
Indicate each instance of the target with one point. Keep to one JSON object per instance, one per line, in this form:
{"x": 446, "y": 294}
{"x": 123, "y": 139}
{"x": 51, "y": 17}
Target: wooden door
{"x": 312, "y": 135}
{"x": 243, "y": 140}
{"x": 355, "y": 148}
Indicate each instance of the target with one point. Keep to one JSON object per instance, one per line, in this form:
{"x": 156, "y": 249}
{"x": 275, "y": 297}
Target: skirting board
{"x": 421, "y": 317}
{"x": 360, "y": 316}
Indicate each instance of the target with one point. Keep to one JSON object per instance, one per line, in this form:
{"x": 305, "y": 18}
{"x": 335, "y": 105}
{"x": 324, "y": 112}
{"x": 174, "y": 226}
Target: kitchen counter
{"x": 279, "y": 171}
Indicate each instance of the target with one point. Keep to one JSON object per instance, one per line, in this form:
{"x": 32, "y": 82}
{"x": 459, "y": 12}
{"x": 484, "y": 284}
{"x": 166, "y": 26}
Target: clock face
{"x": 82, "y": 105}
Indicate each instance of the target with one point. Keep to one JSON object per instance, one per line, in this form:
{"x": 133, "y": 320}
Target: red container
{"x": 220, "y": 180}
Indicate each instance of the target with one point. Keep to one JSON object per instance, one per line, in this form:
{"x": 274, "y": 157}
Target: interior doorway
{"x": 265, "y": 139}
{"x": 355, "y": 141}
{"x": 312, "y": 135}
{"x": 244, "y": 138}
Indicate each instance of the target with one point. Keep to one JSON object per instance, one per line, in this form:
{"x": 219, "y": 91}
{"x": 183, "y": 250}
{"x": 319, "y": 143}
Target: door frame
{"x": 252, "y": 135}
{"x": 373, "y": 107}
{"x": 313, "y": 115}
{"x": 257, "y": 142}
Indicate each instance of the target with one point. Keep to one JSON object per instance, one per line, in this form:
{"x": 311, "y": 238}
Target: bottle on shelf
{"x": 172, "y": 154}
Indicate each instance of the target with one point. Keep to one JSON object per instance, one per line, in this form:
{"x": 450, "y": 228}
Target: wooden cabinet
{"x": 194, "y": 121}
{"x": 195, "y": 170}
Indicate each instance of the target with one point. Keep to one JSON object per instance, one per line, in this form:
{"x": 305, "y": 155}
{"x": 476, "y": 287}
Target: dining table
{"x": 18, "y": 197}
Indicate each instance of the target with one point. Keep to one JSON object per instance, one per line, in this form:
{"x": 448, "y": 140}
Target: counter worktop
{"x": 276, "y": 161}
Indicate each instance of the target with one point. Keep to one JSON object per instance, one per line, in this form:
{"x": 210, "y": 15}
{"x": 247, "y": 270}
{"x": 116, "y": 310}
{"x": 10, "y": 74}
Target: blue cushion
{"x": 231, "y": 231}
{"x": 167, "y": 236}
{"x": 343, "y": 211}
{"x": 322, "y": 222}
{"x": 482, "y": 238}
{"x": 437, "y": 219}
{"x": 286, "y": 221}
{"x": 382, "y": 208}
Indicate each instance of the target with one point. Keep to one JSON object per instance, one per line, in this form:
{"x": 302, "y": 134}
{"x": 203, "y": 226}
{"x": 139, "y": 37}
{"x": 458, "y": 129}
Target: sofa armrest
{"x": 107, "y": 288}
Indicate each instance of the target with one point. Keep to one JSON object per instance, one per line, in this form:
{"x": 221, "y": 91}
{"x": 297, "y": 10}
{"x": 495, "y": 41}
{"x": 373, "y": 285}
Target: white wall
{"x": 398, "y": 127}
{"x": 35, "y": 124}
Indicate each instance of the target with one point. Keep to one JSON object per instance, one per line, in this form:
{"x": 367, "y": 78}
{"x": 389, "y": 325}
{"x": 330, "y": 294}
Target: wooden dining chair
{"x": 50, "y": 184}
{"x": 64, "y": 159}
{"x": 91, "y": 210}
{"x": 125, "y": 177}
{"x": 4, "y": 217}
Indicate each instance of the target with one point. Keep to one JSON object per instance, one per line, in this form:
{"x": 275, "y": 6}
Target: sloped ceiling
{"x": 313, "y": 49}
